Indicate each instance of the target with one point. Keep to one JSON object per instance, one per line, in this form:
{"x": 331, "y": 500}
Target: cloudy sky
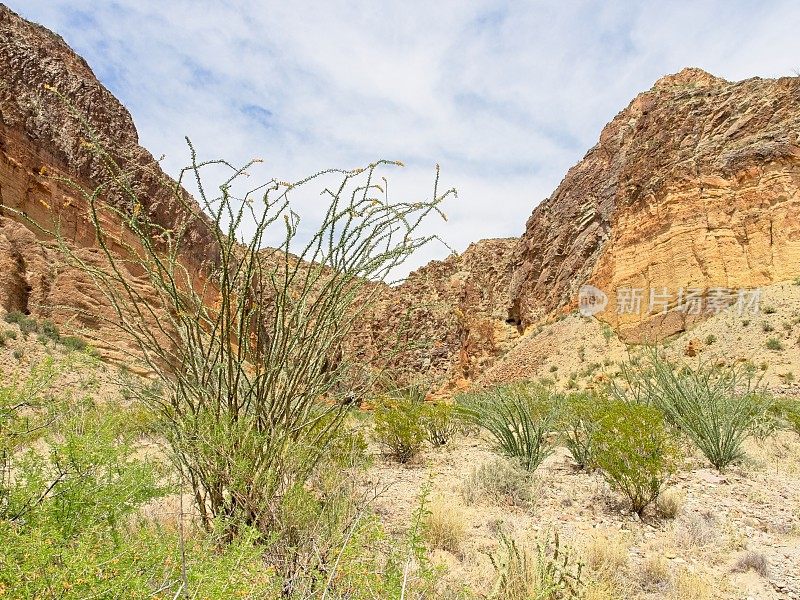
{"x": 506, "y": 96}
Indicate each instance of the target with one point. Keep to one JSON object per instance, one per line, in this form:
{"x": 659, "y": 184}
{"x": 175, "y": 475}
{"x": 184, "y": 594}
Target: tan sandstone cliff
{"x": 693, "y": 186}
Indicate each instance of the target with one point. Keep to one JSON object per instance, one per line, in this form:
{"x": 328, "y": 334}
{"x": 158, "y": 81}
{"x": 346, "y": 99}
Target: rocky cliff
{"x": 693, "y": 186}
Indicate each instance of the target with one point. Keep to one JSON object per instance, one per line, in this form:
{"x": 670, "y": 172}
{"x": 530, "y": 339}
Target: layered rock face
{"x": 43, "y": 166}
{"x": 694, "y": 186}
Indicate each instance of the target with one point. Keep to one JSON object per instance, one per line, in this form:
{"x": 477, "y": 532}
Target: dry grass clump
{"x": 654, "y": 573}
{"x": 669, "y": 503}
{"x": 605, "y": 553}
{"x": 445, "y": 526}
{"x": 697, "y": 530}
{"x": 500, "y": 481}
{"x": 690, "y": 586}
{"x": 752, "y": 561}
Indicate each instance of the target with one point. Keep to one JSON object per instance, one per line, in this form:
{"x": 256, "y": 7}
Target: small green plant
{"x": 710, "y": 339}
{"x": 787, "y": 377}
{"x": 767, "y": 327}
{"x": 553, "y": 368}
{"x": 797, "y": 281}
{"x": 774, "y": 344}
{"x": 18, "y": 354}
{"x": 74, "y": 343}
{"x": 49, "y": 330}
{"x": 635, "y": 451}
{"x": 440, "y": 423}
{"x": 399, "y": 427}
{"x": 519, "y": 416}
{"x": 769, "y": 310}
{"x": 542, "y": 569}
{"x": 745, "y": 322}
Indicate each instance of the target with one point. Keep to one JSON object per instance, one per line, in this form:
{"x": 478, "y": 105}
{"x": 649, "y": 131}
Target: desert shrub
{"x": 251, "y": 347}
{"x": 18, "y": 354}
{"x": 605, "y": 553}
{"x": 445, "y": 526}
{"x": 49, "y": 330}
{"x": 399, "y": 427}
{"x": 540, "y": 569}
{"x": 767, "y": 327}
{"x": 635, "y": 451}
{"x": 519, "y": 416}
{"x": 654, "y": 573}
{"x": 710, "y": 339}
{"x": 669, "y": 503}
{"x": 787, "y": 411}
{"x": 440, "y": 422}
{"x": 578, "y": 423}
{"x": 769, "y": 310}
{"x": 774, "y": 344}
{"x": 752, "y": 561}
{"x": 716, "y": 406}
{"x": 501, "y": 481}
{"x": 15, "y": 317}
{"x": 74, "y": 343}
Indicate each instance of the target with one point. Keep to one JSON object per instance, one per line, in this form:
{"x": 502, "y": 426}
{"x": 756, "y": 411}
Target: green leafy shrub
{"x": 635, "y": 451}
{"x": 399, "y": 427}
{"x": 519, "y": 416}
{"x": 49, "y": 330}
{"x": 579, "y": 422}
{"x": 716, "y": 406}
{"x": 440, "y": 422}
{"x": 710, "y": 339}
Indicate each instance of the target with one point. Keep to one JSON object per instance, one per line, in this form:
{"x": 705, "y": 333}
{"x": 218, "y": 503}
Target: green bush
{"x": 579, "y": 423}
{"x": 440, "y": 422}
{"x": 519, "y": 416}
{"x": 710, "y": 339}
{"x": 399, "y": 427}
{"x": 635, "y": 451}
{"x": 716, "y": 406}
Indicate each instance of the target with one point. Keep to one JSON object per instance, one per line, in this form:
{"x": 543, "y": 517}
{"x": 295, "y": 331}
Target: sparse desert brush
{"x": 605, "y": 553}
{"x": 520, "y": 417}
{"x": 716, "y": 406}
{"x": 669, "y": 503}
{"x": 502, "y": 482}
{"x": 767, "y": 327}
{"x": 752, "y": 561}
{"x": 445, "y": 525}
{"x": 654, "y": 574}
{"x": 541, "y": 568}
{"x": 687, "y": 585}
{"x": 635, "y": 451}
{"x": 399, "y": 427}
{"x": 697, "y": 530}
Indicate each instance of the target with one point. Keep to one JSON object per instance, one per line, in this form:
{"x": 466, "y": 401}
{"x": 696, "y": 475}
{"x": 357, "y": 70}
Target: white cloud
{"x": 506, "y": 96}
